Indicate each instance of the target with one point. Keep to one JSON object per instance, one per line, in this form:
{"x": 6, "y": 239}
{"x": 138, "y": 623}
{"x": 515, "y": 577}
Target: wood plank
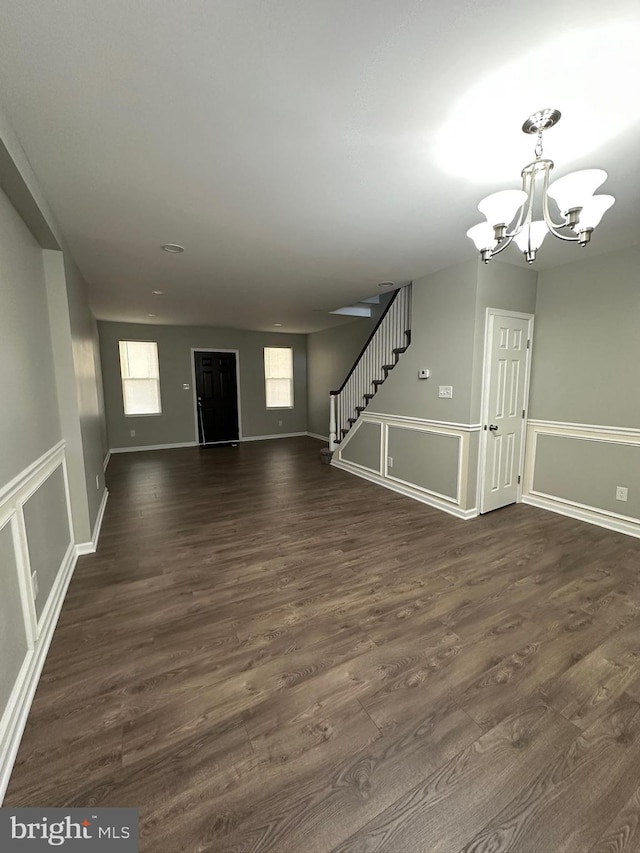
{"x": 452, "y": 804}
{"x": 564, "y": 807}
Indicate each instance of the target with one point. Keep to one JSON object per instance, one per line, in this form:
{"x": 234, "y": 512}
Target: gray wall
{"x": 88, "y": 382}
{"x": 586, "y": 364}
{"x": 176, "y": 424}
{"x": 48, "y": 535}
{"x": 425, "y": 459}
{"x": 78, "y": 379}
{"x": 587, "y": 472}
{"x": 30, "y": 424}
{"x": 442, "y": 339}
{"x": 586, "y": 370}
{"x": 330, "y": 356}
{"x": 363, "y": 447}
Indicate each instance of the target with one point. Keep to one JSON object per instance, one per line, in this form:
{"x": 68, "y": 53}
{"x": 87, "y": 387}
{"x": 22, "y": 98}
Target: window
{"x": 140, "y": 377}
{"x": 278, "y": 377}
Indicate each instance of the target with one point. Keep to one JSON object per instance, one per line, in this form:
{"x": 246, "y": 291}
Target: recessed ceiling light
{"x": 277, "y": 324}
{"x": 152, "y": 315}
{"x": 158, "y": 292}
{"x": 173, "y": 248}
{"x": 385, "y": 284}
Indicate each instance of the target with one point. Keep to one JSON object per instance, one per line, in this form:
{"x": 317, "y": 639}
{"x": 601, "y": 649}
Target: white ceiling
{"x": 304, "y": 150}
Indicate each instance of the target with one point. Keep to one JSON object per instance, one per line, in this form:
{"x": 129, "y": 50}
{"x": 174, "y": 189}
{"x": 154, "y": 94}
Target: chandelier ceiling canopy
{"x": 510, "y": 213}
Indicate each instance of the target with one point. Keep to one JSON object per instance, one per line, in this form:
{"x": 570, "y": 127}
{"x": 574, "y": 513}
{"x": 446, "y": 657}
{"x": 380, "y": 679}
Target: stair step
{"x": 368, "y": 397}
{"x": 344, "y": 431}
{"x": 360, "y": 409}
{"x": 352, "y": 421}
{"x": 399, "y": 349}
{"x": 377, "y": 382}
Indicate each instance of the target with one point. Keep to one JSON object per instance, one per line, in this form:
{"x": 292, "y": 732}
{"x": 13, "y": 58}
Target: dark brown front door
{"x": 217, "y": 395}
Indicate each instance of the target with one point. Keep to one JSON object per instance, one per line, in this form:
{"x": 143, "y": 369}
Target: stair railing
{"x": 377, "y": 357}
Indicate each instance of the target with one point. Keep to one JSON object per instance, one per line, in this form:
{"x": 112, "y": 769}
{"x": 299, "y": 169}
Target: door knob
{"x": 493, "y": 427}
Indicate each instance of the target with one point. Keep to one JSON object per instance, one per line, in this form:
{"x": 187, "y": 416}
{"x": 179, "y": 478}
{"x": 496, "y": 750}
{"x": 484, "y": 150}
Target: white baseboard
{"x": 106, "y": 460}
{"x": 92, "y": 546}
{"x": 407, "y": 491}
{"x": 15, "y": 716}
{"x": 319, "y": 437}
{"x": 244, "y": 438}
{"x": 269, "y": 437}
{"x": 153, "y": 447}
{"x": 580, "y": 513}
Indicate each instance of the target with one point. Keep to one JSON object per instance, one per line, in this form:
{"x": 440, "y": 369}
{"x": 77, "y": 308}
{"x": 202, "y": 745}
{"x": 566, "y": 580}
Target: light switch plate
{"x": 445, "y": 391}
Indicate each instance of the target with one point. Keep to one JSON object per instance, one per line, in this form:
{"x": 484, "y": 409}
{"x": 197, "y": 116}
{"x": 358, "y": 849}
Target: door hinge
{"x": 523, "y": 413}
{"x": 518, "y": 478}
{"x": 529, "y": 344}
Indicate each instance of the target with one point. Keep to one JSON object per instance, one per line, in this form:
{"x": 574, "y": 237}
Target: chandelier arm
{"x": 525, "y": 212}
{"x": 551, "y": 225}
{"x": 503, "y": 245}
{"x": 560, "y": 236}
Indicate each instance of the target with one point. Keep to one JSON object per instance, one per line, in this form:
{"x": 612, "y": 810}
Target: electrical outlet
{"x": 621, "y": 493}
{"x": 98, "y": 481}
{"x": 132, "y": 433}
{"x": 279, "y": 423}
{"x": 185, "y": 386}
{"x": 389, "y": 461}
{"x": 34, "y": 584}
{"x": 445, "y": 391}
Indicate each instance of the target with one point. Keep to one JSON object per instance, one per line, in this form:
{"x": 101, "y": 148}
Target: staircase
{"x": 390, "y": 338}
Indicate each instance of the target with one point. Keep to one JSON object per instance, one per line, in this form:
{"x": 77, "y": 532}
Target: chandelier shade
{"x": 482, "y": 236}
{"x": 530, "y": 238}
{"x": 501, "y": 207}
{"x": 510, "y": 213}
{"x": 576, "y": 188}
{"x": 594, "y": 210}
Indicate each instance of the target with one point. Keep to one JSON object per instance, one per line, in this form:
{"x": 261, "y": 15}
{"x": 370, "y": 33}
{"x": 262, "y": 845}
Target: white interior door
{"x": 505, "y": 390}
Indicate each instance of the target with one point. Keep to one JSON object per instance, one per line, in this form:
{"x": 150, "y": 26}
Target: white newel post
{"x": 332, "y": 423}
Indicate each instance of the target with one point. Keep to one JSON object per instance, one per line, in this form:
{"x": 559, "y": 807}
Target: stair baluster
{"x": 380, "y": 354}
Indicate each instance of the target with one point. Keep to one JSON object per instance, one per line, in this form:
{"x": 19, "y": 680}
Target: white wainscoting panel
{"x": 600, "y": 516}
{"x": 453, "y": 504}
{"x": 38, "y": 633}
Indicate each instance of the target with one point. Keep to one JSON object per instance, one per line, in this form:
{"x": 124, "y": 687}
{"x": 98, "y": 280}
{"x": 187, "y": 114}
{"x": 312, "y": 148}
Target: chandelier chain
{"x": 538, "y": 148}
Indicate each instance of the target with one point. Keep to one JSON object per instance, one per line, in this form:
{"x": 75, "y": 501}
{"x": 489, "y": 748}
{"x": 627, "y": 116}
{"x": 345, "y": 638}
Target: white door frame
{"x": 194, "y": 350}
{"x": 484, "y": 405}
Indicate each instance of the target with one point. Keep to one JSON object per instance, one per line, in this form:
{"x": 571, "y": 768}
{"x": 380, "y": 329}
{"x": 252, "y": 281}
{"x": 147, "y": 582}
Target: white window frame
{"x": 268, "y": 378}
{"x": 124, "y": 379}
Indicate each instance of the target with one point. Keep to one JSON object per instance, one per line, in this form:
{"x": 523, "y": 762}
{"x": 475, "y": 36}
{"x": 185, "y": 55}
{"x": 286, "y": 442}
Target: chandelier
{"x": 509, "y": 213}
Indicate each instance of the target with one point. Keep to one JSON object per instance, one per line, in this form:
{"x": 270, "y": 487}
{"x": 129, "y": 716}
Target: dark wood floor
{"x": 268, "y": 654}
